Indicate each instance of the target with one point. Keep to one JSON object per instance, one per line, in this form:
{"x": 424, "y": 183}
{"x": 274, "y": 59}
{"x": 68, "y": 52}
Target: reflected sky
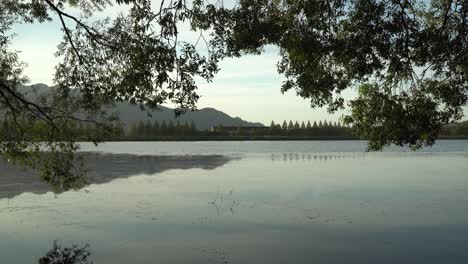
{"x": 277, "y": 207}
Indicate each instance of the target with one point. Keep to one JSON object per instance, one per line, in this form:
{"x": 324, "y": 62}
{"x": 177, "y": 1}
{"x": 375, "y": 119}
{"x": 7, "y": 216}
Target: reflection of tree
{"x": 102, "y": 168}
{"x": 67, "y": 255}
{"x": 308, "y": 157}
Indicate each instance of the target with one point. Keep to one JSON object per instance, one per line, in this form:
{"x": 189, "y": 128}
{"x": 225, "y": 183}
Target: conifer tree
{"x": 193, "y": 128}
{"x": 239, "y": 130}
{"x": 272, "y": 129}
{"x": 186, "y": 128}
{"x": 155, "y": 128}
{"x": 119, "y": 130}
{"x": 178, "y": 129}
{"x": 140, "y": 131}
{"x": 163, "y": 128}
{"x": 148, "y": 129}
{"x": 284, "y": 127}
{"x": 170, "y": 128}
{"x": 132, "y": 130}
{"x": 220, "y": 128}
{"x": 296, "y": 125}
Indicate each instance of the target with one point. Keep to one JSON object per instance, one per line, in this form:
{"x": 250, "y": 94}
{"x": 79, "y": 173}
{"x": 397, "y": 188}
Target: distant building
{"x": 233, "y": 130}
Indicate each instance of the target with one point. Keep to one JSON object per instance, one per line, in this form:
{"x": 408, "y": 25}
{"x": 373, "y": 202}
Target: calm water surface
{"x": 248, "y": 202}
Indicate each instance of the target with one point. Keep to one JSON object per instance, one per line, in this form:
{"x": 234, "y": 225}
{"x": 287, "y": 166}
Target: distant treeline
{"x": 287, "y": 129}
{"x": 168, "y": 130}
{"x": 21, "y": 129}
{"x": 152, "y": 130}
{"x": 456, "y": 130}
{"x": 149, "y": 131}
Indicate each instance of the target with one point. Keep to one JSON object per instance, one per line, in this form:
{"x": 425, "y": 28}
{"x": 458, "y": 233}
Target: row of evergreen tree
{"x": 148, "y": 129}
{"x": 166, "y": 129}
{"x": 156, "y": 129}
{"x": 322, "y": 129}
{"x": 297, "y": 126}
{"x": 456, "y": 130}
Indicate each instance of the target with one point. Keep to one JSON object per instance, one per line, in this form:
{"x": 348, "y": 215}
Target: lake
{"x": 247, "y": 202}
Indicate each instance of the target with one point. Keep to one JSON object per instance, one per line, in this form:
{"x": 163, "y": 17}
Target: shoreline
{"x": 193, "y": 139}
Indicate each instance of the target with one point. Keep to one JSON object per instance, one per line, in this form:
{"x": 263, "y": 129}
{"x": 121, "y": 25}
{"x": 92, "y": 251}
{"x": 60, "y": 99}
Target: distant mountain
{"x": 204, "y": 118}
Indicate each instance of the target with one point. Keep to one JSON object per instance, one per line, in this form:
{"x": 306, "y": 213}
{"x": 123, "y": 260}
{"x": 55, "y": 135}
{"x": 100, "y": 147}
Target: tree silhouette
{"x": 155, "y": 129}
{"x": 185, "y": 128}
{"x": 296, "y": 125}
{"x": 272, "y": 129}
{"x": 66, "y": 255}
{"x": 239, "y": 130}
{"x": 164, "y": 130}
{"x": 148, "y": 130}
{"x": 193, "y": 128}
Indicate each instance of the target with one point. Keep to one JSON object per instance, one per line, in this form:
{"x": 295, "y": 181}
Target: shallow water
{"x": 249, "y": 202}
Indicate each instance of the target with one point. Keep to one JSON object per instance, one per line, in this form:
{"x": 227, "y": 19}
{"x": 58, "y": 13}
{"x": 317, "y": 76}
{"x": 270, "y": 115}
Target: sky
{"x": 247, "y": 87}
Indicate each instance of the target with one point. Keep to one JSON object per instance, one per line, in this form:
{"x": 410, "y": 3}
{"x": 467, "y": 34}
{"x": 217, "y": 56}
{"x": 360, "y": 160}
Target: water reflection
{"x": 338, "y": 156}
{"x": 66, "y": 255}
{"x": 224, "y": 202}
{"x": 308, "y": 157}
{"x": 103, "y": 168}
